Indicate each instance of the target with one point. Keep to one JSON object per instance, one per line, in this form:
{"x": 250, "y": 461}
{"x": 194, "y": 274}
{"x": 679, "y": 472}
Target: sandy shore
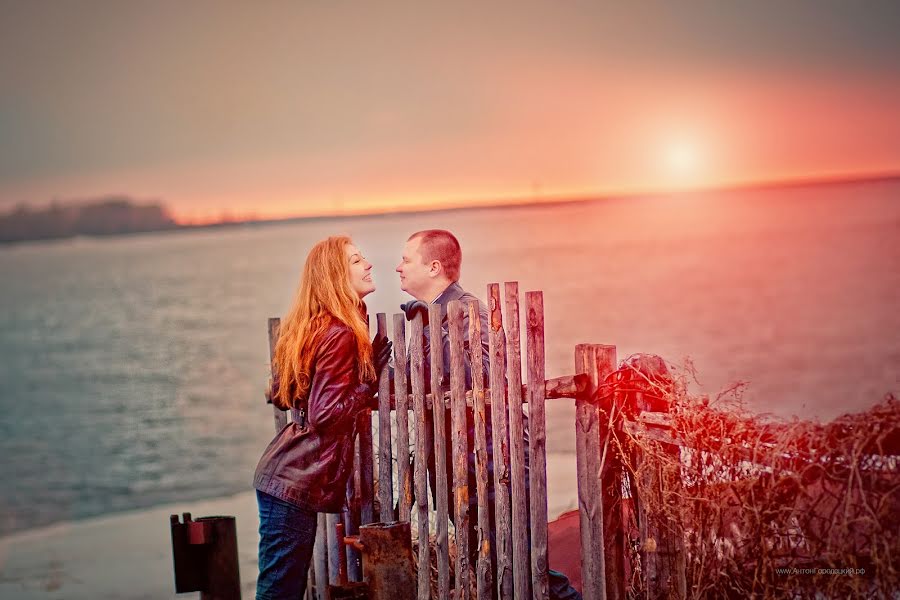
{"x": 129, "y": 555}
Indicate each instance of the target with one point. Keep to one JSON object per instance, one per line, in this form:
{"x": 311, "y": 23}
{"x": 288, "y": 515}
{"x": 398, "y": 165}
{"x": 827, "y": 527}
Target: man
{"x": 429, "y": 272}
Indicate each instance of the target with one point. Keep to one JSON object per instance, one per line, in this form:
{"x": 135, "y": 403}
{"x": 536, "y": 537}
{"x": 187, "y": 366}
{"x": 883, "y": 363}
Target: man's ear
{"x": 435, "y": 269}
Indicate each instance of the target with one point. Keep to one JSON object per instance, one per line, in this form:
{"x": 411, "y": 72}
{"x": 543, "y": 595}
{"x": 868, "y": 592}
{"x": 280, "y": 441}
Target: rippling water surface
{"x": 132, "y": 368}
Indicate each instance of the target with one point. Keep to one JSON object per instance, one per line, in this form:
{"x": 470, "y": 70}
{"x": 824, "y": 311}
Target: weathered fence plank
{"x": 500, "y": 430}
{"x": 521, "y": 562}
{"x": 556, "y": 388}
{"x": 587, "y": 441}
{"x": 483, "y": 566}
{"x": 385, "y": 464}
{"x": 611, "y": 482}
{"x": 460, "y": 447}
{"x": 404, "y": 478}
{"x": 320, "y": 558}
{"x": 366, "y": 468}
{"x": 280, "y": 415}
{"x": 334, "y": 547}
{"x": 417, "y": 379}
{"x": 440, "y": 453}
{"x": 351, "y": 527}
{"x": 534, "y": 310}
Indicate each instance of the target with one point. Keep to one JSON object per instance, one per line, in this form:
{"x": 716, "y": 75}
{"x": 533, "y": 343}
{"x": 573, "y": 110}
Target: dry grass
{"x": 741, "y": 497}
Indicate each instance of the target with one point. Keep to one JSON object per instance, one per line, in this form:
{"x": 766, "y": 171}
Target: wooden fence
{"x": 519, "y": 566}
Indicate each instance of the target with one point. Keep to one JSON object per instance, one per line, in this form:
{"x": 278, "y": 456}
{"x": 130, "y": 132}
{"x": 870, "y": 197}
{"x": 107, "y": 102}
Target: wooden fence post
{"x": 366, "y": 468}
{"x": 402, "y": 407}
{"x": 483, "y": 567}
{"x": 611, "y": 471}
{"x": 320, "y": 558}
{"x": 440, "y": 449}
{"x": 595, "y": 362}
{"x": 385, "y": 463}
{"x": 460, "y": 447}
{"x": 335, "y": 547}
{"x": 500, "y": 430}
{"x": 521, "y": 562}
{"x": 417, "y": 379}
{"x": 280, "y": 415}
{"x": 351, "y": 526}
{"x": 534, "y": 311}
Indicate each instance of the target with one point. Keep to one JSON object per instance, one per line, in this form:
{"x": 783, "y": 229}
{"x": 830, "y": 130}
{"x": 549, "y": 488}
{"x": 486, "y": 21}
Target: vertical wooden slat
{"x": 320, "y": 558}
{"x": 521, "y": 563}
{"x": 596, "y": 362}
{"x": 417, "y": 379}
{"x": 440, "y": 450}
{"x": 334, "y": 547}
{"x": 611, "y": 469}
{"x": 366, "y": 468}
{"x": 610, "y": 483}
{"x": 460, "y": 448}
{"x": 351, "y": 527}
{"x": 354, "y": 557}
{"x": 280, "y": 415}
{"x": 483, "y": 567}
{"x": 385, "y": 464}
{"x": 402, "y": 414}
{"x": 534, "y": 310}
{"x": 500, "y": 430}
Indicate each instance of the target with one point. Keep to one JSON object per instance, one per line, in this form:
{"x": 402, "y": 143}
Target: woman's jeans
{"x": 286, "y": 537}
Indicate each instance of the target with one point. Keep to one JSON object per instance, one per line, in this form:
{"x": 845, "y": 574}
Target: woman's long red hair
{"x": 324, "y": 296}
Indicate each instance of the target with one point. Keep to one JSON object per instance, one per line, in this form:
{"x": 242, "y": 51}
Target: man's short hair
{"x": 440, "y": 244}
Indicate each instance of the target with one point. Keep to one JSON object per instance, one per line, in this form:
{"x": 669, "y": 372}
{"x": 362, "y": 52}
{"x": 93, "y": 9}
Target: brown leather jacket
{"x": 309, "y": 466}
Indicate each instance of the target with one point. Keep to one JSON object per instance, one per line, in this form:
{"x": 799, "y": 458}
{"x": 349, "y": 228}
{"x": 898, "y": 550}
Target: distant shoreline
{"x": 520, "y": 202}
{"x": 171, "y": 225}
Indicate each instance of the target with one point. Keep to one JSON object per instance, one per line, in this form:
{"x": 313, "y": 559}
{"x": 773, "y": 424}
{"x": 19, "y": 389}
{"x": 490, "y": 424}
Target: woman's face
{"x": 360, "y": 271}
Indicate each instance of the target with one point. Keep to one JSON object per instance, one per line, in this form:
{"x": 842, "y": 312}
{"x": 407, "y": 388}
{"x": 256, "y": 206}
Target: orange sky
{"x": 286, "y": 108}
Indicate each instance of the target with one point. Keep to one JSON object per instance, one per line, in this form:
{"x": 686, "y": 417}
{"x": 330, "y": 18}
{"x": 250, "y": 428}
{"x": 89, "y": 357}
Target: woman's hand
{"x": 381, "y": 353}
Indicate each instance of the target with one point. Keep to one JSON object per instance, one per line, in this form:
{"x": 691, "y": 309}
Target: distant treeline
{"x": 105, "y": 216}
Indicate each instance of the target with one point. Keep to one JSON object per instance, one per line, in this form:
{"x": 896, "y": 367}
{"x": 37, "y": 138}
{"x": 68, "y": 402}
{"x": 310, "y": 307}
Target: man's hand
{"x": 413, "y": 307}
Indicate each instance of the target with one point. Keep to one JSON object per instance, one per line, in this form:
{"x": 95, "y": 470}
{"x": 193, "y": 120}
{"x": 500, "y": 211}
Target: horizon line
{"x": 563, "y": 198}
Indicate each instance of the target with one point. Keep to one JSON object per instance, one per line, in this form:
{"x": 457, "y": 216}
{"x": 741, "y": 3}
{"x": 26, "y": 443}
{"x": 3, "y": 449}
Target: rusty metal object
{"x": 388, "y": 564}
{"x": 205, "y": 558}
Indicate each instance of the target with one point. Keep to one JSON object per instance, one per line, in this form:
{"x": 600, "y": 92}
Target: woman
{"x": 325, "y": 366}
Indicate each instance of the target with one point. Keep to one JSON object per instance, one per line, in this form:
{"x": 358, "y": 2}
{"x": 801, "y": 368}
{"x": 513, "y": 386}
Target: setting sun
{"x": 682, "y": 160}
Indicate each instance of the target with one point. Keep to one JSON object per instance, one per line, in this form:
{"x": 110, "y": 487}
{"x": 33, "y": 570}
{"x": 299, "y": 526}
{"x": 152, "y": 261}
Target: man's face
{"x": 414, "y": 272}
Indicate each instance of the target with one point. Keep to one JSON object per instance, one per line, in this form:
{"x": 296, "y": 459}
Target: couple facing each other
{"x": 325, "y": 365}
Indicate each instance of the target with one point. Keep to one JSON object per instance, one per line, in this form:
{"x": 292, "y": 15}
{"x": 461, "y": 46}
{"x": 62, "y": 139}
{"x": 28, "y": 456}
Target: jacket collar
{"x": 454, "y": 291}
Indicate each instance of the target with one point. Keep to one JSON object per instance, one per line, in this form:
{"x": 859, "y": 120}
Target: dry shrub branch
{"x": 751, "y": 506}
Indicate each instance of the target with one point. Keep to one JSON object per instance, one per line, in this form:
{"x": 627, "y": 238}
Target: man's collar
{"x": 451, "y": 292}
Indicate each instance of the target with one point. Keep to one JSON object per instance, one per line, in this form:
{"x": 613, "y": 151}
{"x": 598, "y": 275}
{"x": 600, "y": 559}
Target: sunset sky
{"x": 279, "y": 108}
